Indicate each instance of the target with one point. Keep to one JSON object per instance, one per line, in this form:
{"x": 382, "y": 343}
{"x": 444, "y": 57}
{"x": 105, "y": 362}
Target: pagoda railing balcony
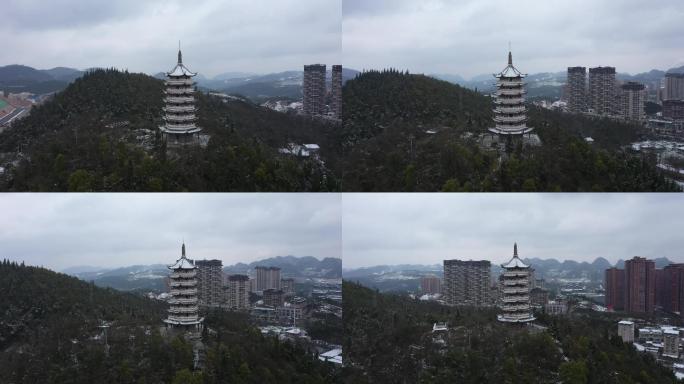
{"x": 179, "y": 109}
{"x": 515, "y": 290}
{"x": 514, "y": 273}
{"x": 193, "y": 309}
{"x": 183, "y": 275}
{"x": 514, "y": 101}
{"x": 520, "y": 307}
{"x": 510, "y": 92}
{"x": 183, "y": 301}
{"x": 179, "y": 91}
{"x": 510, "y": 119}
{"x": 508, "y": 83}
{"x": 512, "y": 127}
{"x": 187, "y": 82}
{"x": 185, "y": 292}
{"x": 515, "y": 299}
{"x": 522, "y": 282}
{"x": 188, "y": 117}
{"x": 503, "y": 109}
{"x": 183, "y": 318}
{"x": 190, "y": 283}
{"x": 179, "y": 100}
{"x": 517, "y": 316}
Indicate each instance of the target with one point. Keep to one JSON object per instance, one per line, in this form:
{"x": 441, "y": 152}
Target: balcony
{"x": 182, "y": 283}
{"x": 179, "y": 91}
{"x": 180, "y": 109}
{"x": 510, "y": 92}
{"x": 183, "y": 275}
{"x": 510, "y": 110}
{"x": 182, "y": 118}
{"x": 184, "y": 292}
{"x": 176, "y": 310}
{"x": 179, "y": 100}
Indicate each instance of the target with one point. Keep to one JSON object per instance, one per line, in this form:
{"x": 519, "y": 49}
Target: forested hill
{"x": 101, "y": 134}
{"x": 406, "y": 132}
{"x": 389, "y": 339}
{"x": 49, "y": 334}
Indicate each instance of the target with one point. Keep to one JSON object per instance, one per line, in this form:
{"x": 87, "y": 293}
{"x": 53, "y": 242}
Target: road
{"x": 5, "y": 120}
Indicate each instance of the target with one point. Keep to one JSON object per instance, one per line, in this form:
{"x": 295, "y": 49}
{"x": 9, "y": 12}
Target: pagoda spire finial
{"x": 510, "y": 55}
{"x": 183, "y": 250}
{"x": 180, "y": 55}
{"x": 515, "y": 249}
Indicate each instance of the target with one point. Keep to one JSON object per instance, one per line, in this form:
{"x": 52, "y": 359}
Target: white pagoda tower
{"x": 183, "y": 309}
{"x": 510, "y": 113}
{"x": 515, "y": 300}
{"x": 179, "y": 120}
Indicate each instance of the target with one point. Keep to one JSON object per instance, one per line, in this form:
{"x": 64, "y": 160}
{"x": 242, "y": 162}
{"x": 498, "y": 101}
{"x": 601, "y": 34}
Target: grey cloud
{"x": 121, "y": 229}
{"x": 470, "y": 37}
{"x": 425, "y": 229}
{"x": 217, "y": 35}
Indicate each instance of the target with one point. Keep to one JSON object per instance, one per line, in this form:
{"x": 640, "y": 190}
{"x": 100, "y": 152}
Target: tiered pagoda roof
{"x": 179, "y": 113}
{"x": 183, "y": 309}
{"x": 515, "y": 301}
{"x": 510, "y": 116}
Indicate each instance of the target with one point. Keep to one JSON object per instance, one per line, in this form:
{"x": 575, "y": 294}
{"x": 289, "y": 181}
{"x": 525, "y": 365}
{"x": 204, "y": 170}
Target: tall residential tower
{"x": 313, "y": 88}
{"x": 466, "y": 282}
{"x": 576, "y": 89}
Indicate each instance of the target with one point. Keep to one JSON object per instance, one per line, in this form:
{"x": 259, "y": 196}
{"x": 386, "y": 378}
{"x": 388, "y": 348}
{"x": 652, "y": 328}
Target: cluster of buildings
{"x": 640, "y": 287}
{"x": 602, "y": 95}
{"x": 315, "y": 92}
{"x": 664, "y": 342}
{"x": 516, "y": 292}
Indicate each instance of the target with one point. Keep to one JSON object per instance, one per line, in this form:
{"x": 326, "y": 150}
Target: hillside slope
{"x": 101, "y": 134}
{"x": 49, "y": 334}
{"x": 389, "y": 339}
{"x": 405, "y": 132}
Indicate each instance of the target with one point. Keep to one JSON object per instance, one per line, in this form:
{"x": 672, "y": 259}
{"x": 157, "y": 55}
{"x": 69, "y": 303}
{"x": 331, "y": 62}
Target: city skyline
{"x": 427, "y": 229}
{"x": 471, "y": 38}
{"x": 59, "y": 231}
{"x": 216, "y": 36}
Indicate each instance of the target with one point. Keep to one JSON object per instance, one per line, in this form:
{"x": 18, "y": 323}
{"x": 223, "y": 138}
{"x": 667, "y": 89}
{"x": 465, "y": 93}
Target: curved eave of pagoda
{"x": 180, "y": 118}
{"x": 179, "y": 100}
{"x": 180, "y": 70}
{"x": 511, "y": 132}
{"x": 180, "y": 130}
{"x": 185, "y": 109}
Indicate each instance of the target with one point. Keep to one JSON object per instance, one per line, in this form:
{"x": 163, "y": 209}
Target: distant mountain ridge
{"x": 21, "y": 78}
{"x": 151, "y": 277}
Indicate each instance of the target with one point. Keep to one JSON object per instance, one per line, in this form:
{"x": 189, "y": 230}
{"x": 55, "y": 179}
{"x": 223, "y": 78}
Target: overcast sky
{"x": 115, "y": 230}
{"x": 381, "y": 229}
{"x": 470, "y": 37}
{"x": 217, "y": 35}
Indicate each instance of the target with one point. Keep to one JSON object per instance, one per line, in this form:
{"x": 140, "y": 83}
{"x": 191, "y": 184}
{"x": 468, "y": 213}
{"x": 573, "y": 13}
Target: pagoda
{"x": 515, "y": 300}
{"x": 510, "y": 115}
{"x": 183, "y": 309}
{"x": 179, "y": 112}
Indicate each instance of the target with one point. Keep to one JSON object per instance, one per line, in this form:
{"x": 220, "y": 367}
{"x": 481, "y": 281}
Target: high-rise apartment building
{"x": 274, "y": 297}
{"x": 336, "y": 92}
{"x": 614, "y": 284}
{"x": 288, "y": 286}
{"x": 674, "y": 86}
{"x": 576, "y": 89}
{"x": 430, "y": 284}
{"x": 209, "y": 282}
{"x": 267, "y": 278}
{"x": 672, "y": 286}
{"x": 639, "y": 285}
{"x": 237, "y": 292}
{"x": 602, "y": 90}
{"x": 466, "y": 282}
{"x": 631, "y": 101}
{"x": 673, "y": 109}
{"x": 313, "y": 88}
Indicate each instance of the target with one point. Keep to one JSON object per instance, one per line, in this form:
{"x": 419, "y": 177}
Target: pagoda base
{"x": 504, "y": 319}
{"x": 491, "y": 140}
{"x": 173, "y": 139}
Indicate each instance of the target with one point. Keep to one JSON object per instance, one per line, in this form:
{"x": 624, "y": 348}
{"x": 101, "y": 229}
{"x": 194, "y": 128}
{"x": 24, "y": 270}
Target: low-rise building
{"x": 626, "y": 331}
